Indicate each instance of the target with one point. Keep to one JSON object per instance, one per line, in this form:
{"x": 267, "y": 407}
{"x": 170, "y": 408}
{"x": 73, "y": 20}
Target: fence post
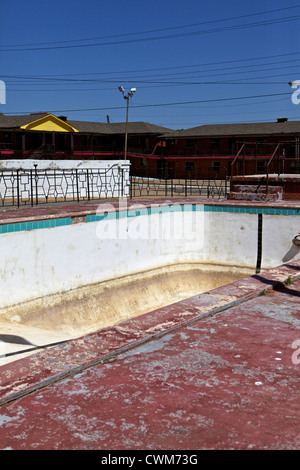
{"x": 31, "y": 188}
{"x": 36, "y": 184}
{"x": 77, "y": 189}
{"x": 87, "y": 183}
{"x": 18, "y": 189}
{"x": 55, "y": 192}
{"x": 130, "y": 187}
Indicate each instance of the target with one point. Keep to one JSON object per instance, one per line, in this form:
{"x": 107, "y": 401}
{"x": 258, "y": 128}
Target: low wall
{"x": 26, "y": 181}
{"x": 29, "y": 164}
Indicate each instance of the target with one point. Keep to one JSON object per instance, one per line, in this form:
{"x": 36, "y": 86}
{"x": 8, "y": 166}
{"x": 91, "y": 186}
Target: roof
{"x": 11, "y": 122}
{"x": 140, "y": 127}
{"x": 15, "y": 122}
{"x": 259, "y": 128}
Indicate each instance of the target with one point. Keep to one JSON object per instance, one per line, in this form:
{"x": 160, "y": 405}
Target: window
{"x": 295, "y": 166}
{"x": 142, "y": 140}
{"x": 215, "y": 143}
{"x": 190, "y": 143}
{"x": 189, "y": 166}
{"x": 215, "y": 166}
{"x": 260, "y": 166}
{"x": 143, "y": 161}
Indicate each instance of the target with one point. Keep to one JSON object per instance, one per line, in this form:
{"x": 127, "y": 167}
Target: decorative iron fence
{"x": 31, "y": 187}
{"x": 147, "y": 187}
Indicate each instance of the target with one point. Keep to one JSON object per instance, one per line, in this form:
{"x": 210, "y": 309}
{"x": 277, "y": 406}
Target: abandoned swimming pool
{"x": 67, "y": 273}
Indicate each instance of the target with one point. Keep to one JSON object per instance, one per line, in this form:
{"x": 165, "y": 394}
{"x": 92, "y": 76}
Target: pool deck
{"x": 13, "y": 214}
{"x": 220, "y": 370}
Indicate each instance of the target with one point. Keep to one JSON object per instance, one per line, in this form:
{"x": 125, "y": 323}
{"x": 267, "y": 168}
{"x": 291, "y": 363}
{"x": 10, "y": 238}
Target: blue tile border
{"x": 192, "y": 207}
{"x": 59, "y": 222}
{"x": 34, "y": 225}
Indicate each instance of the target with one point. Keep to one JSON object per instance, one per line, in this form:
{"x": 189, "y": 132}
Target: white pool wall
{"x": 43, "y": 261}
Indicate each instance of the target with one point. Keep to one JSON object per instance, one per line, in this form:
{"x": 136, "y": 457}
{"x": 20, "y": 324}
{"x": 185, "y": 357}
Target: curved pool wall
{"x": 57, "y": 255}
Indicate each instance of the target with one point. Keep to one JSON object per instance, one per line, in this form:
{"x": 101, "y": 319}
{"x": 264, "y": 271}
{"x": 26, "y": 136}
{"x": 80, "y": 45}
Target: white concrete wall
{"x": 46, "y": 261}
{"x": 60, "y": 184}
{"x": 28, "y": 164}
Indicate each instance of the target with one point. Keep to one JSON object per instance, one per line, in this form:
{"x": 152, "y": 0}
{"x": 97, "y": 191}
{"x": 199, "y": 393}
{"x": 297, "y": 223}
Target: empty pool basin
{"x": 84, "y": 310}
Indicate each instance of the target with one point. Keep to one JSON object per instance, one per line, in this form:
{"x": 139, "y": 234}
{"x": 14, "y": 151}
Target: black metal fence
{"x": 19, "y": 187}
{"x": 38, "y": 186}
{"x": 153, "y": 187}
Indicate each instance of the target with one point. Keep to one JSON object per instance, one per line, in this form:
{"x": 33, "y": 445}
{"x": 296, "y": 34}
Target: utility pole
{"x": 127, "y": 98}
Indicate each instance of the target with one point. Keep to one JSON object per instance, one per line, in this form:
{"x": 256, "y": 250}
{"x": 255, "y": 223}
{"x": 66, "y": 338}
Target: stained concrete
{"x": 219, "y": 370}
{"x": 68, "y": 315}
{"x": 216, "y": 371}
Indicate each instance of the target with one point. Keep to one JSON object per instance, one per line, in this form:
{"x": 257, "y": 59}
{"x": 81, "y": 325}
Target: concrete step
{"x": 254, "y": 188}
{"x": 243, "y": 196}
{"x": 255, "y": 192}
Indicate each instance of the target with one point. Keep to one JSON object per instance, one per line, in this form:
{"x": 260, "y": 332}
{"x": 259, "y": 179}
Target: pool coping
{"x": 56, "y": 215}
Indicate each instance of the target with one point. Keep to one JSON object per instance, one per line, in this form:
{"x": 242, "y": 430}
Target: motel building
{"x": 208, "y": 151}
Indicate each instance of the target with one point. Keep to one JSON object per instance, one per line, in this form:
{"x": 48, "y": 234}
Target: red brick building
{"x": 209, "y": 150}
{"x": 48, "y": 136}
{"x": 201, "y": 152}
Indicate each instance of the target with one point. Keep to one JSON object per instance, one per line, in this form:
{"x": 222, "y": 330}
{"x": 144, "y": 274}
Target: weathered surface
{"x": 182, "y": 377}
{"x": 216, "y": 371}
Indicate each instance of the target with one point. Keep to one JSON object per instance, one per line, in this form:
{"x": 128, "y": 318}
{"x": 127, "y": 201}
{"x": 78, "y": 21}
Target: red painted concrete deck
{"x": 217, "y": 371}
{"x": 74, "y": 209}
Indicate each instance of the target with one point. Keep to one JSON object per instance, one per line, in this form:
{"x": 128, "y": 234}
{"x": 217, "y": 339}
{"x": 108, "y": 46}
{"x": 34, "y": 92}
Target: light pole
{"x": 127, "y": 98}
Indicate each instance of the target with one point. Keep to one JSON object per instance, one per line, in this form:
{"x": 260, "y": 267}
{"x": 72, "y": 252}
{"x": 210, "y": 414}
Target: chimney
{"x": 63, "y": 118}
{"x": 282, "y": 119}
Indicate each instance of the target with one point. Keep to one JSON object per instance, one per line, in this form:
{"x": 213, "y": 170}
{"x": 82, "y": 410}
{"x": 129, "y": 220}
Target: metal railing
{"x": 276, "y": 158}
{"x": 154, "y": 187}
{"x": 20, "y": 187}
{"x": 268, "y": 168}
{"x": 233, "y": 163}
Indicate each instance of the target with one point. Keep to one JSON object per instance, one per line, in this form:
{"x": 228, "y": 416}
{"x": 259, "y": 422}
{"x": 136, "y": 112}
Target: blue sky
{"x": 191, "y": 62}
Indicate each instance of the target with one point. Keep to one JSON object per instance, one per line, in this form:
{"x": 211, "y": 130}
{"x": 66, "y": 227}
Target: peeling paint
{"x": 202, "y": 373}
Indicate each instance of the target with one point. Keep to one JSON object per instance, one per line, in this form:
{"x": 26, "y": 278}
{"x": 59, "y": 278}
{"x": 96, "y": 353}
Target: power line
{"x": 178, "y": 103}
{"x": 138, "y": 80}
{"x": 53, "y": 76}
{"x": 157, "y": 30}
{"x": 170, "y": 36}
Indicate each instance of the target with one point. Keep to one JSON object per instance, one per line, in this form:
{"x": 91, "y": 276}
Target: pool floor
{"x": 52, "y": 319}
